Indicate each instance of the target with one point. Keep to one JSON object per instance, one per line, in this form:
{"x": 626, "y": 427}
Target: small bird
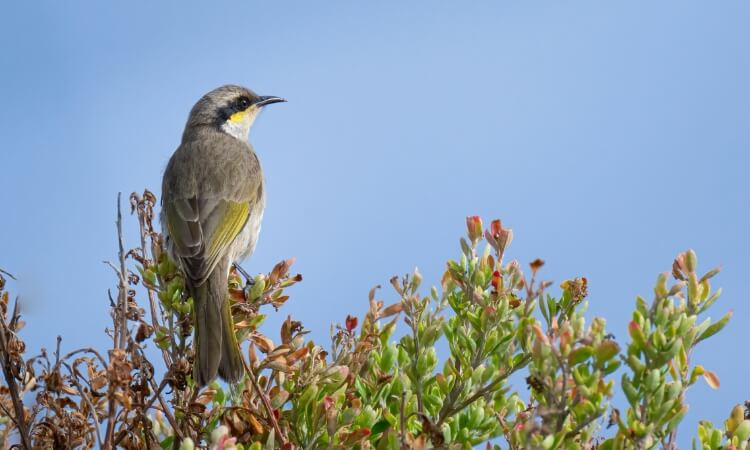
{"x": 212, "y": 205}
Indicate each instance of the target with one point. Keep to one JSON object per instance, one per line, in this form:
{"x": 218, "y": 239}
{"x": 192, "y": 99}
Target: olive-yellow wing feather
{"x": 203, "y": 230}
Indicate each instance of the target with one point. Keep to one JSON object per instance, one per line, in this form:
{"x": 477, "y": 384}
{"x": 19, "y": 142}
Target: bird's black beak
{"x": 268, "y": 99}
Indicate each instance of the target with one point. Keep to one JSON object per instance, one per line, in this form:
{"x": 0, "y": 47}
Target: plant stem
{"x": 266, "y": 403}
{"x": 20, "y": 419}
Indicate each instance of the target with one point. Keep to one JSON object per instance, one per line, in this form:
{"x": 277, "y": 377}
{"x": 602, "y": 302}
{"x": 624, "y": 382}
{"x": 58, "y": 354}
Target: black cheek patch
{"x": 226, "y": 112}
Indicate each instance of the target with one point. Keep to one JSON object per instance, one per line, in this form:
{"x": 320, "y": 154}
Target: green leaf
{"x": 631, "y": 393}
{"x": 387, "y": 358}
{"x": 307, "y": 395}
{"x": 360, "y": 388}
{"x": 219, "y": 396}
{"x": 653, "y": 379}
{"x": 278, "y": 400}
{"x": 636, "y": 364}
{"x": 691, "y": 260}
{"x": 715, "y": 327}
{"x": 551, "y": 306}
{"x": 580, "y": 355}
{"x": 257, "y": 288}
{"x": 519, "y": 360}
{"x": 641, "y": 306}
{"x": 710, "y": 301}
{"x": 380, "y": 427}
{"x": 167, "y": 443}
{"x": 742, "y": 432}
{"x": 543, "y": 309}
{"x": 611, "y": 367}
{"x": 605, "y": 351}
{"x": 149, "y": 276}
{"x": 447, "y": 434}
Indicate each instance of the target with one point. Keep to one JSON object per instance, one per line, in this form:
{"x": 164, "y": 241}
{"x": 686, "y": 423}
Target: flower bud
{"x": 218, "y": 433}
{"x": 496, "y": 227}
{"x": 536, "y": 265}
{"x": 474, "y": 228}
{"x": 416, "y": 279}
{"x": 661, "y": 286}
{"x": 678, "y": 267}
{"x": 691, "y": 260}
{"x": 497, "y": 281}
{"x": 735, "y": 419}
{"x": 351, "y": 323}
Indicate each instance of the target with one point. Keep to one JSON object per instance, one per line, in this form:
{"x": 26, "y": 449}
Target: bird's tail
{"x": 216, "y": 348}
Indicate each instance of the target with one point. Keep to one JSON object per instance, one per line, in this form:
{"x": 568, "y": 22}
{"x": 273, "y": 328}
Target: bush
{"x": 371, "y": 390}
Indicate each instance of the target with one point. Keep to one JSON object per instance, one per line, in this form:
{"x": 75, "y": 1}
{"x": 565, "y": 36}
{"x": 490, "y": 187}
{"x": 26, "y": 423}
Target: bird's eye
{"x": 243, "y": 103}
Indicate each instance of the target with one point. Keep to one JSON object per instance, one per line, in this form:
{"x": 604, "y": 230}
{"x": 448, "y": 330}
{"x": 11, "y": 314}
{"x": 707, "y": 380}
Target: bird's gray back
{"x": 233, "y": 173}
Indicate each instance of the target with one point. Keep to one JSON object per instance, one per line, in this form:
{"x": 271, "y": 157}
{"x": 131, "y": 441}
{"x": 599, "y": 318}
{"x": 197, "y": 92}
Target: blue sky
{"x": 608, "y": 135}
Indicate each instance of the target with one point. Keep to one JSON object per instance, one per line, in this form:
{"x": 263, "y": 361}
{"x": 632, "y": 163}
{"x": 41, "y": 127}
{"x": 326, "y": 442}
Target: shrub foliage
{"x": 521, "y": 368}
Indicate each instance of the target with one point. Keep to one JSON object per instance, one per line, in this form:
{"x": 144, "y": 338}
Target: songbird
{"x": 212, "y": 206}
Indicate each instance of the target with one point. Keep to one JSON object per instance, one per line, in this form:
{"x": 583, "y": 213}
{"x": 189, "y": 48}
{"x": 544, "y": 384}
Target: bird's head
{"x": 229, "y": 109}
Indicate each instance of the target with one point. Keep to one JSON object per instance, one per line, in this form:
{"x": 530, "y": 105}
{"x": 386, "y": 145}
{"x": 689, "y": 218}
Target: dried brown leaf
{"x": 392, "y": 310}
{"x": 264, "y": 343}
{"x": 296, "y": 356}
{"x": 712, "y": 379}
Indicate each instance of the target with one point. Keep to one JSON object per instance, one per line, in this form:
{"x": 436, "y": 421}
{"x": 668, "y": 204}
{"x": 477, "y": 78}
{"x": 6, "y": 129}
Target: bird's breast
{"x": 244, "y": 243}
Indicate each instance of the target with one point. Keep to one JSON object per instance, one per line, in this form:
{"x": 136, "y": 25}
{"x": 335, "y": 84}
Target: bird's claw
{"x": 249, "y": 281}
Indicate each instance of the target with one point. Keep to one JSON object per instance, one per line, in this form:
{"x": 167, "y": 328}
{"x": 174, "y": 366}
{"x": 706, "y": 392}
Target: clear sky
{"x": 608, "y": 135}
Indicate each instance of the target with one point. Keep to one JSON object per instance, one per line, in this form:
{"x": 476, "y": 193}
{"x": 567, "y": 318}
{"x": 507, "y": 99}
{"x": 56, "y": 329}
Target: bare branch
{"x": 266, "y": 403}
{"x": 141, "y": 212}
{"x": 123, "y": 287}
{"x": 20, "y": 418}
{"x": 82, "y": 393}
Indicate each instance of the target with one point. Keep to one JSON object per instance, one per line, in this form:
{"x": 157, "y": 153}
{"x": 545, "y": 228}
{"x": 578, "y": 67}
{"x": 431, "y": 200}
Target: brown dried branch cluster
{"x": 117, "y": 398}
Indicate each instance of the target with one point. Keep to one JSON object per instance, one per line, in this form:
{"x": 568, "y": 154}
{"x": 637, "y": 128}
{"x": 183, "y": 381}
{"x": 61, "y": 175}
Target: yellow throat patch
{"x": 238, "y": 124}
{"x": 239, "y": 116}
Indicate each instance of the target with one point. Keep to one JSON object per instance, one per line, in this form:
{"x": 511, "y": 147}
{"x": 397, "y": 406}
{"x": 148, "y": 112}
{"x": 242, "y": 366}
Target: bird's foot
{"x": 249, "y": 280}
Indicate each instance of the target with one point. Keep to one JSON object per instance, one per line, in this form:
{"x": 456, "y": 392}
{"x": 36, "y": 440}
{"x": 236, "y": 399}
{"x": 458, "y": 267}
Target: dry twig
{"x": 20, "y": 417}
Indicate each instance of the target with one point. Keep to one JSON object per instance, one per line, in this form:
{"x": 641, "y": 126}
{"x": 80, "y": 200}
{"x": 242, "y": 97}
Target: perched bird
{"x": 212, "y": 206}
